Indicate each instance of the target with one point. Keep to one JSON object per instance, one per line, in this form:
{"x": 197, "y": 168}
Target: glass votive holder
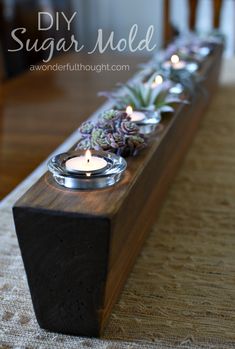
{"x": 146, "y": 120}
{"x": 175, "y": 64}
{"x": 87, "y": 178}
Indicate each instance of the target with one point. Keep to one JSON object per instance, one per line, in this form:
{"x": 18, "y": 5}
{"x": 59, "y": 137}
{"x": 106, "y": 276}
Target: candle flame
{"x": 157, "y": 81}
{"x": 175, "y": 59}
{"x": 129, "y": 110}
{"x": 88, "y": 155}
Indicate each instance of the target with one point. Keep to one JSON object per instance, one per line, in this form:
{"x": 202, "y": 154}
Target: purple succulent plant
{"x": 112, "y": 132}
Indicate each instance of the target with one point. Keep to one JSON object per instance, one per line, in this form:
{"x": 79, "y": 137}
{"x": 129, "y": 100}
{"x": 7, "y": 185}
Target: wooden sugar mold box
{"x": 79, "y": 247}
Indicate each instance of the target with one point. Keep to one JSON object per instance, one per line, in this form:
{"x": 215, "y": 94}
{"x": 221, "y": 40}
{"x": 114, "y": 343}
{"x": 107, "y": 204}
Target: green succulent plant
{"x": 143, "y": 96}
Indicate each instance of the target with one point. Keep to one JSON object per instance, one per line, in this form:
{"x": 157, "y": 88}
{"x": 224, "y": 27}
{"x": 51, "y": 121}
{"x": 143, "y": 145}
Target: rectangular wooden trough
{"x": 78, "y": 247}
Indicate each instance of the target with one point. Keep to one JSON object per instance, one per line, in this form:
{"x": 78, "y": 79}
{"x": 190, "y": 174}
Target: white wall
{"x": 118, "y": 16}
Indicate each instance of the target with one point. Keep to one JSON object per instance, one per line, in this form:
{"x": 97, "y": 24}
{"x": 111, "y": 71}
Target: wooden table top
{"x": 40, "y": 109}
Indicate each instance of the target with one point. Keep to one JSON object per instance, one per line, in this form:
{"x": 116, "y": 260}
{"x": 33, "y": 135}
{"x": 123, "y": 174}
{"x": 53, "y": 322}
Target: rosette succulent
{"x": 113, "y": 132}
{"x": 145, "y": 96}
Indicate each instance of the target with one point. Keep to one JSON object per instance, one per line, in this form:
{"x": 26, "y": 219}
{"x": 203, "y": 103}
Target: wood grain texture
{"x": 95, "y": 236}
{"x": 40, "y": 109}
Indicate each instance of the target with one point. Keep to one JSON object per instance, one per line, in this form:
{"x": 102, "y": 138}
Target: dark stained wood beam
{"x": 79, "y": 247}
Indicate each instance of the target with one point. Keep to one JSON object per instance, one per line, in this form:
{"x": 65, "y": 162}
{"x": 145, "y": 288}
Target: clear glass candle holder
{"x": 87, "y": 180}
{"x": 149, "y": 123}
{"x": 190, "y": 66}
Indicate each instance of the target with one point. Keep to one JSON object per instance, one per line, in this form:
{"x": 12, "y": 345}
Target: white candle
{"x": 87, "y": 163}
{"x": 157, "y": 81}
{"x": 176, "y": 63}
{"x": 135, "y": 116}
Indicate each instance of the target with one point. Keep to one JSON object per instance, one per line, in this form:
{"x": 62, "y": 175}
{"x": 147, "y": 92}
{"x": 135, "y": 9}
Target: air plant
{"x": 144, "y": 96}
{"x": 112, "y": 132}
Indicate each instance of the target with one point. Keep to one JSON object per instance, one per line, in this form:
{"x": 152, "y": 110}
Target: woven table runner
{"x": 181, "y": 292}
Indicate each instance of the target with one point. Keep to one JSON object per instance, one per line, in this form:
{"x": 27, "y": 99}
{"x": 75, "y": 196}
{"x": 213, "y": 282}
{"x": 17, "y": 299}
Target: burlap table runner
{"x": 181, "y": 292}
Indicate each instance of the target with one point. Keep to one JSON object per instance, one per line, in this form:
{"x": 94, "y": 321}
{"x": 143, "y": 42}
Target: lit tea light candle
{"x": 157, "y": 81}
{"x": 88, "y": 170}
{"x": 136, "y": 116}
{"x": 86, "y": 164}
{"x": 176, "y": 63}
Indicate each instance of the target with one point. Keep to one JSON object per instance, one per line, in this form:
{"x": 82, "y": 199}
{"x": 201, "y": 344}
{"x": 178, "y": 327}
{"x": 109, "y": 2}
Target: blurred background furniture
{"x": 170, "y": 31}
{"x": 2, "y": 67}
